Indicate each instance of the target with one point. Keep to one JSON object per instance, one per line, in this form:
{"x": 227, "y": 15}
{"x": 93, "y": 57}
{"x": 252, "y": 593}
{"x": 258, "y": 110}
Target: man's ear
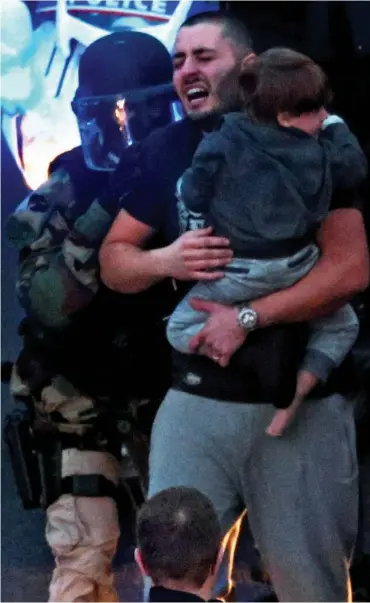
{"x": 139, "y": 561}
{"x": 249, "y": 58}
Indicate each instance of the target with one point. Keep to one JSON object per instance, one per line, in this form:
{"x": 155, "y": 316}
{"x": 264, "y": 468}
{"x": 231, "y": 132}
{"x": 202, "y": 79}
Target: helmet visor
{"x": 110, "y": 123}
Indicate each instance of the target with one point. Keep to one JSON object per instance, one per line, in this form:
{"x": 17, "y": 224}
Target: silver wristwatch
{"x": 248, "y": 318}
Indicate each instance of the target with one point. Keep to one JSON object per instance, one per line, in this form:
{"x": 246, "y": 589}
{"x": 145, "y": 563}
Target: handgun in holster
{"x": 35, "y": 459}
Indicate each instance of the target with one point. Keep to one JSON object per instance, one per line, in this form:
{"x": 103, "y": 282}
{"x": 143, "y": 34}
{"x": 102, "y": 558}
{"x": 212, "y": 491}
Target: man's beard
{"x": 209, "y": 120}
{"x": 229, "y": 99}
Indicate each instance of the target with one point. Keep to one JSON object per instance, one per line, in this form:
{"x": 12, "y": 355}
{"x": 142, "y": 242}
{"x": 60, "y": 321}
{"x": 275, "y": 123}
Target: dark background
{"x": 342, "y": 44}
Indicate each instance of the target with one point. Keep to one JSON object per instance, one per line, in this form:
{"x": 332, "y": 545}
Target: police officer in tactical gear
{"x": 88, "y": 362}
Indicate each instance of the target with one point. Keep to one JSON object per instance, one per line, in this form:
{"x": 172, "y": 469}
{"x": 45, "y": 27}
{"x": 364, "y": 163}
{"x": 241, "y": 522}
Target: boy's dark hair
{"x": 179, "y": 536}
{"x": 283, "y": 80}
{"x": 232, "y": 27}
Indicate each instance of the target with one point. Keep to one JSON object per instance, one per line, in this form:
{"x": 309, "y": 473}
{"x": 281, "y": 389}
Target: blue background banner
{"x": 41, "y": 44}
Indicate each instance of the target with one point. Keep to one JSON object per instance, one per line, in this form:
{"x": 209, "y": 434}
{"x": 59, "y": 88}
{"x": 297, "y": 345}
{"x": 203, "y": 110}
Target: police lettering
{"x": 158, "y": 7}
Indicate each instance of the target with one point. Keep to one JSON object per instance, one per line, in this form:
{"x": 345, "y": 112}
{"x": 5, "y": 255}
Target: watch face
{"x": 248, "y": 318}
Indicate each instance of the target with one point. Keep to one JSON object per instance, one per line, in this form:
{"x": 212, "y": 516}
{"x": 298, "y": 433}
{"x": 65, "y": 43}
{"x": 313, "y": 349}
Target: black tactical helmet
{"x": 124, "y": 93}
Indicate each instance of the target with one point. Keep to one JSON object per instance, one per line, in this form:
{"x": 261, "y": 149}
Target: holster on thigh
{"x": 41, "y": 462}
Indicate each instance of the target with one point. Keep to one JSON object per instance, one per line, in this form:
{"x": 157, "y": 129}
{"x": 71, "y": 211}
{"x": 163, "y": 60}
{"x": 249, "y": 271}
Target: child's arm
{"x": 198, "y": 182}
{"x": 348, "y": 162}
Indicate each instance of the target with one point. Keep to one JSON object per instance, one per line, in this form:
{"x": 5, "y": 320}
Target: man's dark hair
{"x": 179, "y": 536}
{"x": 232, "y": 27}
{"x": 283, "y": 80}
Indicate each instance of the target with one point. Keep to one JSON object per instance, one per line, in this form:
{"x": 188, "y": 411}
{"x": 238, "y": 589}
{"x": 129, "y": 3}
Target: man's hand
{"x": 128, "y": 268}
{"x": 194, "y": 253}
{"x": 221, "y": 336}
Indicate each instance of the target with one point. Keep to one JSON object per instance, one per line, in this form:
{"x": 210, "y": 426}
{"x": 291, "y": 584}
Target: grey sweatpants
{"x": 300, "y": 490}
{"x": 331, "y": 337}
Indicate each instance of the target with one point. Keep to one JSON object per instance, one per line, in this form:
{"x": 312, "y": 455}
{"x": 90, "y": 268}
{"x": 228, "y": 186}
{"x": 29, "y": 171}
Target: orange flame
{"x": 120, "y": 114}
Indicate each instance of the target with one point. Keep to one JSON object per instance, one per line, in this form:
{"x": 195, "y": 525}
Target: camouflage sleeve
{"x": 42, "y": 219}
{"x": 55, "y": 277}
{"x": 60, "y": 274}
{"x": 71, "y": 278}
{"x": 81, "y": 247}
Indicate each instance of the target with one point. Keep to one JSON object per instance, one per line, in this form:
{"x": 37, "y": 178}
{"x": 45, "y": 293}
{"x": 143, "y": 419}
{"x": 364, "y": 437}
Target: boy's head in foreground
{"x": 179, "y": 541}
{"x": 285, "y": 87}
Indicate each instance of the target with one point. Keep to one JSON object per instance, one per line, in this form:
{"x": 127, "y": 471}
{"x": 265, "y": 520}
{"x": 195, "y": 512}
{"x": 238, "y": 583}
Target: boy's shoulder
{"x": 239, "y": 127}
{"x": 237, "y": 119}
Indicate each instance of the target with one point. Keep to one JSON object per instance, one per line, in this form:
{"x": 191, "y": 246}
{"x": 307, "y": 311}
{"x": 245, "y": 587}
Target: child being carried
{"x": 265, "y": 180}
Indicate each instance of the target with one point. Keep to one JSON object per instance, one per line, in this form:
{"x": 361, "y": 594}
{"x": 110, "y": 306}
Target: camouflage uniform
{"x": 82, "y": 531}
{"x": 69, "y": 379}
{"x": 52, "y": 286}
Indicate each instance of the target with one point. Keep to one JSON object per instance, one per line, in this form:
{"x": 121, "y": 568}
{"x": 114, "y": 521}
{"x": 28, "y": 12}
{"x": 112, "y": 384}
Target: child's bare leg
{"x": 284, "y": 416}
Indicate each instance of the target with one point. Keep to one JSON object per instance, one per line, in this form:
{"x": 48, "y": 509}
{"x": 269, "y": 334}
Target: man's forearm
{"x": 129, "y": 269}
{"x": 341, "y": 272}
{"x": 298, "y": 303}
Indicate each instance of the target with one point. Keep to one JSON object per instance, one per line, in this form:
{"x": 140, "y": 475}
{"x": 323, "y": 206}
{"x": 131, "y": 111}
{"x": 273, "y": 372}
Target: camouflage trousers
{"x": 82, "y": 532}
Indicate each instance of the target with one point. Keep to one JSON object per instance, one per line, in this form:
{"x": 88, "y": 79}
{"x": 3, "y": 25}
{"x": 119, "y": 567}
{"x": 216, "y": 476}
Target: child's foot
{"x": 279, "y": 423}
{"x": 283, "y": 418}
